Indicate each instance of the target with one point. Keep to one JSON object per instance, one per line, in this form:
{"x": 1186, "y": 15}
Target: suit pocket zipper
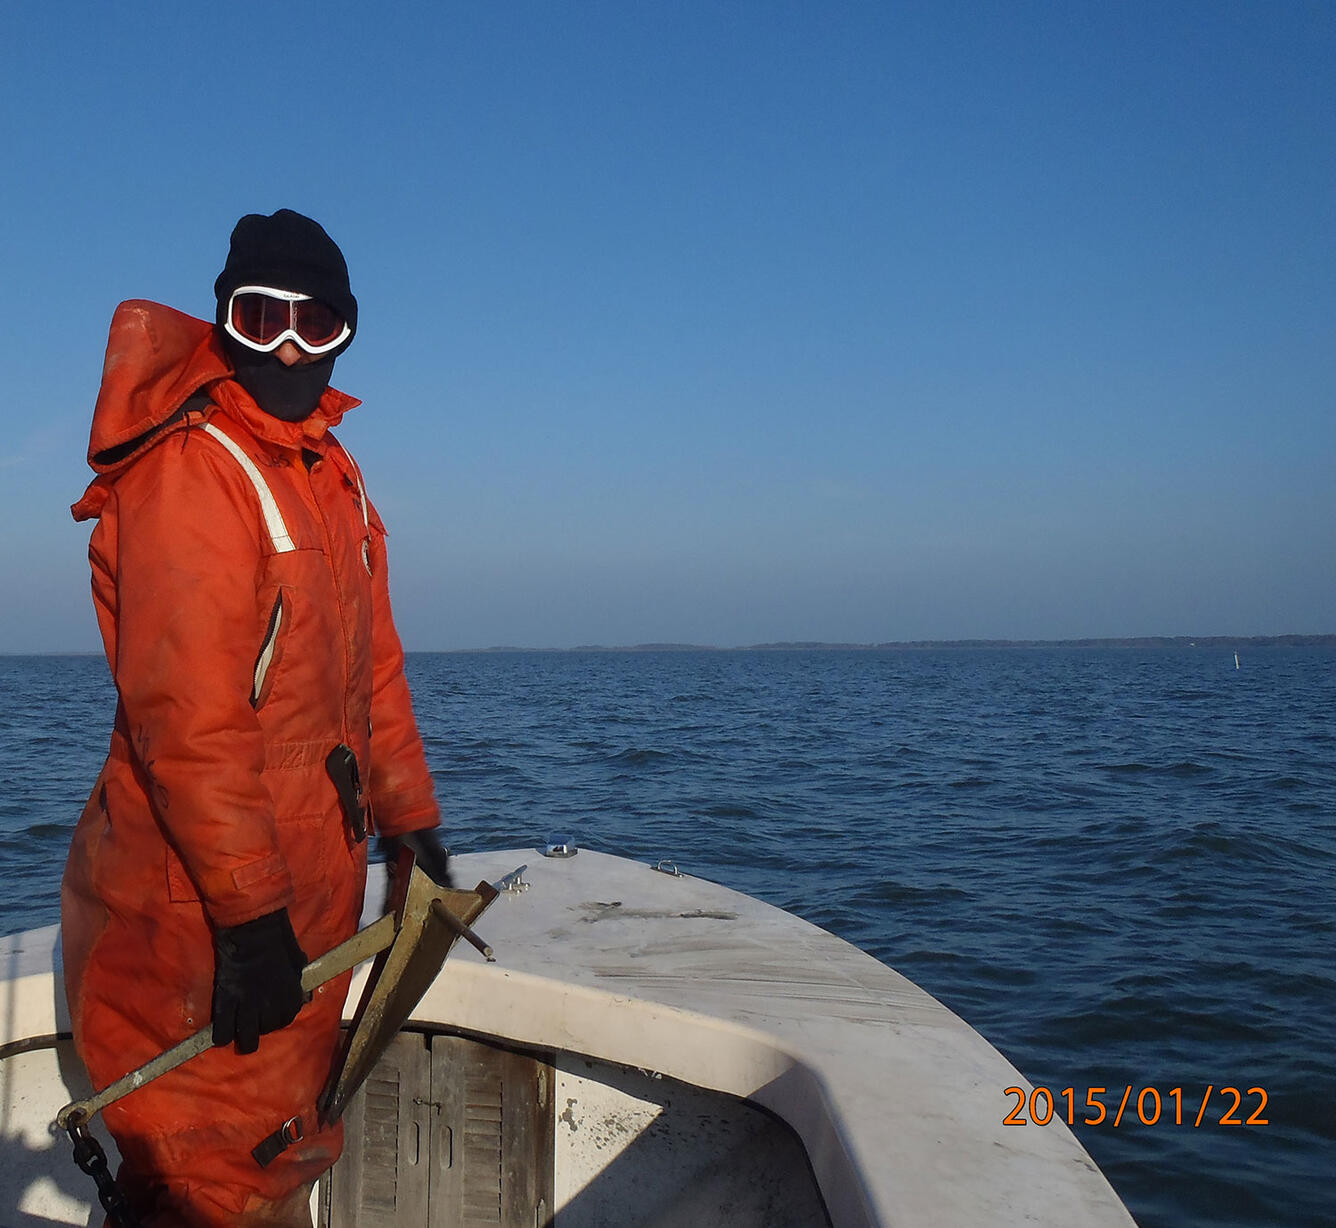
{"x": 266, "y": 657}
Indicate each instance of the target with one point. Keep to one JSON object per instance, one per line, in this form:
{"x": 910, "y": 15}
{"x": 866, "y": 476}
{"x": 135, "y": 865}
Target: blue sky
{"x": 727, "y": 323}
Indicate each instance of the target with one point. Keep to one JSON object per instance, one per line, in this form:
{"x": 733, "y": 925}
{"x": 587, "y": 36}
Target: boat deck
{"x": 897, "y": 1103}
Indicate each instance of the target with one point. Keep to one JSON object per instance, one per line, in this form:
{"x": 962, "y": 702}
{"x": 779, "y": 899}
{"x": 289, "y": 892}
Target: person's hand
{"x": 257, "y": 980}
{"x": 431, "y": 854}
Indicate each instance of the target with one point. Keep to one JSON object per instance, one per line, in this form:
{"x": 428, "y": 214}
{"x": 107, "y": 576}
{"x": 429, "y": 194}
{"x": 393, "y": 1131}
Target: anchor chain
{"x": 90, "y": 1157}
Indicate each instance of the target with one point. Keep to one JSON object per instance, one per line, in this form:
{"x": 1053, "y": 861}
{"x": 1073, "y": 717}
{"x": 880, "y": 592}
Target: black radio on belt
{"x": 341, "y": 764}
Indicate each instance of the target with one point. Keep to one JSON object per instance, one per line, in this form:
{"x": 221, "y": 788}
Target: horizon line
{"x": 1292, "y": 639}
{"x": 1289, "y": 639}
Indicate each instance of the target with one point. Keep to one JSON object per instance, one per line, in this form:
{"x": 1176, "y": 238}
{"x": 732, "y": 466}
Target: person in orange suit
{"x": 263, "y": 727}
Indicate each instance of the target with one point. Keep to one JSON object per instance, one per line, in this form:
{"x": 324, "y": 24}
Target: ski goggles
{"x": 263, "y": 318}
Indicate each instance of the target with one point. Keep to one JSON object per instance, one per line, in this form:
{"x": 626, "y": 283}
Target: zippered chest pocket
{"x": 265, "y": 660}
{"x": 299, "y": 666}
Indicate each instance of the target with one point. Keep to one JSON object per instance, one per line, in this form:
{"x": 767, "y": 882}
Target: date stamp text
{"x": 1122, "y": 1106}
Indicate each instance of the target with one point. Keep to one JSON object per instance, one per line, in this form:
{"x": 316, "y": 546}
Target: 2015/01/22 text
{"x": 1231, "y": 1107}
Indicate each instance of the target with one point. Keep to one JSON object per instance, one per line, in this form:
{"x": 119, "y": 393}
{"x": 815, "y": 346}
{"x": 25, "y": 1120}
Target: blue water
{"x": 1119, "y": 864}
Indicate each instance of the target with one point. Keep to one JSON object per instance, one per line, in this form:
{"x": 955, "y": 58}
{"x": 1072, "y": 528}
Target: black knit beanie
{"x": 287, "y": 251}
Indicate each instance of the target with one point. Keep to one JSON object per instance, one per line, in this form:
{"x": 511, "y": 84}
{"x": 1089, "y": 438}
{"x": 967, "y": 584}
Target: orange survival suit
{"x": 239, "y": 580}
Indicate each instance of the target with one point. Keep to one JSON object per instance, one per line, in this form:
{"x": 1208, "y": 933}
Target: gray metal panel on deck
{"x": 450, "y": 1133}
{"x": 383, "y": 1176}
{"x": 494, "y": 1164}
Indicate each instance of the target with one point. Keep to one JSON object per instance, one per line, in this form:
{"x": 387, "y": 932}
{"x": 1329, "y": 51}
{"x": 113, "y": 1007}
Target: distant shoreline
{"x": 1136, "y": 641}
{"x": 1142, "y": 641}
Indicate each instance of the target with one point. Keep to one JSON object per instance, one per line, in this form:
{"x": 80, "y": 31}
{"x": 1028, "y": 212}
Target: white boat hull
{"x": 626, "y": 981}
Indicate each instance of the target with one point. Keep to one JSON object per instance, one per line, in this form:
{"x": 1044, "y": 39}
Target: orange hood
{"x": 157, "y": 359}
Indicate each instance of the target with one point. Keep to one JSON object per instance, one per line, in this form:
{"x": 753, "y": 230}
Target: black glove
{"x": 432, "y": 855}
{"x": 257, "y": 980}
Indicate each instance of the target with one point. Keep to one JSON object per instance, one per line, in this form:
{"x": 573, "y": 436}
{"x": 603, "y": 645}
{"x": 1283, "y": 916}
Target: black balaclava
{"x": 285, "y": 251}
